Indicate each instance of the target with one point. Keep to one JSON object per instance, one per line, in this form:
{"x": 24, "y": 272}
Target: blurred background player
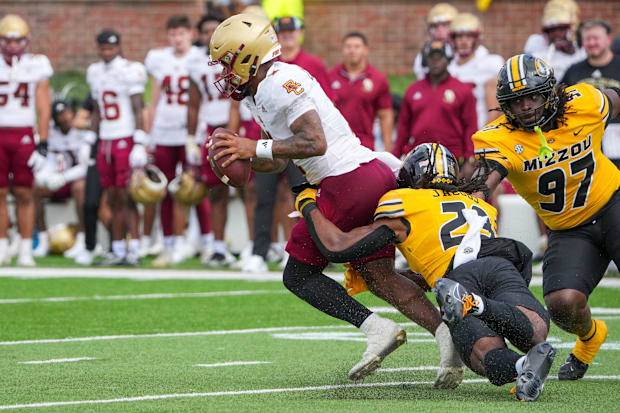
{"x": 208, "y": 110}
{"x": 362, "y": 93}
{"x": 438, "y": 107}
{"x": 601, "y": 69}
{"x": 474, "y": 64}
{"x": 63, "y": 175}
{"x": 168, "y": 130}
{"x": 557, "y": 45}
{"x": 438, "y": 22}
{"x": 24, "y": 105}
{"x": 117, "y": 85}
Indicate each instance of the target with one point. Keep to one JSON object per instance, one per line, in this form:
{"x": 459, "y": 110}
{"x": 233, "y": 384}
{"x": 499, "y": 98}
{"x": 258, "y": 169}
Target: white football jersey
{"x": 477, "y": 72}
{"x": 538, "y": 46}
{"x": 17, "y": 89}
{"x": 214, "y": 107}
{"x": 112, "y": 85}
{"x": 172, "y": 75}
{"x": 286, "y": 93}
{"x": 57, "y": 141}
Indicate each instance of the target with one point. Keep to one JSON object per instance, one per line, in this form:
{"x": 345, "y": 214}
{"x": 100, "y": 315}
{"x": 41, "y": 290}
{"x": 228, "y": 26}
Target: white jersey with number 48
{"x": 112, "y": 85}
{"x": 286, "y": 93}
{"x": 17, "y": 89}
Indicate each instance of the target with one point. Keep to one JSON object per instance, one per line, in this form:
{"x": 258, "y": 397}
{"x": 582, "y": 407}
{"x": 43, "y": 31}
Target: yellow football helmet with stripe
{"x": 524, "y": 75}
{"x": 428, "y": 162}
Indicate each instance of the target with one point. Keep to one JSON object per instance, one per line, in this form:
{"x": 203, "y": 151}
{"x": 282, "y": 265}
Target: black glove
{"x": 42, "y": 148}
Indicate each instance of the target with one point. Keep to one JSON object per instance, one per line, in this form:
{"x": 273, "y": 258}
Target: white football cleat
{"x": 5, "y": 258}
{"x": 205, "y": 255}
{"x": 14, "y": 246}
{"x": 25, "y": 260}
{"x": 451, "y": 368}
{"x": 163, "y": 260}
{"x": 384, "y": 336}
{"x": 85, "y": 257}
{"x": 145, "y": 246}
{"x": 255, "y": 264}
{"x": 79, "y": 246}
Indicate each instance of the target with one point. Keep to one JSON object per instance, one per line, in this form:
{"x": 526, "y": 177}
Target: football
{"x": 236, "y": 174}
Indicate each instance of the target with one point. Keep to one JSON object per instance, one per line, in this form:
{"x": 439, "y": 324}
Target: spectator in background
{"x": 475, "y": 65}
{"x": 438, "y": 28}
{"x": 557, "y": 45}
{"x": 438, "y": 108}
{"x": 362, "y": 92}
{"x": 602, "y": 70}
{"x": 289, "y": 30}
{"x": 205, "y": 28}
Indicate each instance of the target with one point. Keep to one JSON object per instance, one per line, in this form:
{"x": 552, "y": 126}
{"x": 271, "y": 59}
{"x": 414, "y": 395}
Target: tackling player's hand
{"x": 305, "y": 196}
{"x": 238, "y": 147}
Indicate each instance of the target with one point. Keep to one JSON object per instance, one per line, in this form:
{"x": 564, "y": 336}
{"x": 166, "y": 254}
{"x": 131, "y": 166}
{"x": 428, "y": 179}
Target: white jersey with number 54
{"x": 17, "y": 89}
{"x": 286, "y": 93}
{"x": 112, "y": 85}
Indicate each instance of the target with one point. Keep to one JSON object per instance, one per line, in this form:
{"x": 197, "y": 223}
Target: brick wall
{"x": 65, "y": 30}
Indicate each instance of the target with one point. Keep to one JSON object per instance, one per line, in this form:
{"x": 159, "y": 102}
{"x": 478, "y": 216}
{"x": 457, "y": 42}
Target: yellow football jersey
{"x": 437, "y": 225}
{"x": 577, "y": 180}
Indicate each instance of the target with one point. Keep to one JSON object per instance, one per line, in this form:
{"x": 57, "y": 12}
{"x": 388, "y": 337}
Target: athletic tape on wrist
{"x": 263, "y": 148}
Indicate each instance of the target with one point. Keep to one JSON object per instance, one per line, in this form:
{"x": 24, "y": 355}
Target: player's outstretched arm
{"x": 613, "y": 95}
{"x": 339, "y": 246}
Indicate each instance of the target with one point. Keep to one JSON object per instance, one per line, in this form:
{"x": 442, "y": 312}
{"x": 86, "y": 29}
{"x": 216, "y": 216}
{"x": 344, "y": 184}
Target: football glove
{"x": 138, "y": 157}
{"x": 305, "y": 196}
{"x": 38, "y": 157}
{"x": 193, "y": 155}
{"x": 55, "y": 181}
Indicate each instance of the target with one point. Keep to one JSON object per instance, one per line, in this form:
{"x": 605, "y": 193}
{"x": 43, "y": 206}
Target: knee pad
{"x": 499, "y": 365}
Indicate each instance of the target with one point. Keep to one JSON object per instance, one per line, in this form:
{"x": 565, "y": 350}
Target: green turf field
{"x": 172, "y": 345}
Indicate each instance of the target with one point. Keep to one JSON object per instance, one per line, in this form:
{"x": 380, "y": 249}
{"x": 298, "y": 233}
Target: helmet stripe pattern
{"x": 516, "y": 73}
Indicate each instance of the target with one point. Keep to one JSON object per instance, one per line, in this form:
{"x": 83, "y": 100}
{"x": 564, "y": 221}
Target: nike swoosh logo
{"x": 578, "y": 132}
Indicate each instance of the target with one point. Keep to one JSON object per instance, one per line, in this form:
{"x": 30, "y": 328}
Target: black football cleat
{"x": 572, "y": 369}
{"x": 455, "y": 302}
{"x": 531, "y": 380}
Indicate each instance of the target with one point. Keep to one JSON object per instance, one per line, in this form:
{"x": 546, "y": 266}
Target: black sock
{"x": 499, "y": 365}
{"x": 509, "y": 322}
{"x": 311, "y": 285}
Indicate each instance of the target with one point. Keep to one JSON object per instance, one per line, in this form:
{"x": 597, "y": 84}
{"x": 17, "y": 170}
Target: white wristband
{"x": 263, "y": 148}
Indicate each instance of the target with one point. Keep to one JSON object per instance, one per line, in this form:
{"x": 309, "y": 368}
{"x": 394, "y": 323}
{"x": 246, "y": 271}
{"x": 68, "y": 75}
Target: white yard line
{"x": 398, "y": 369}
{"x": 234, "y": 363}
{"x": 71, "y": 360}
{"x": 155, "y": 296}
{"x": 247, "y": 392}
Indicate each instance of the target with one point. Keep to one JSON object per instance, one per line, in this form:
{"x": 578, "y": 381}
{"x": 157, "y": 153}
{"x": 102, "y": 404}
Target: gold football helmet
{"x": 441, "y": 13}
{"x": 465, "y": 23}
{"x": 148, "y": 186}
{"x": 555, "y": 16}
{"x": 569, "y": 5}
{"x": 241, "y": 44}
{"x": 187, "y": 190}
{"x": 14, "y": 35}
{"x": 61, "y": 238}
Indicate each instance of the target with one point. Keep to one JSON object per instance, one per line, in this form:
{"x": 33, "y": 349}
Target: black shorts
{"x": 577, "y": 258}
{"x": 497, "y": 279}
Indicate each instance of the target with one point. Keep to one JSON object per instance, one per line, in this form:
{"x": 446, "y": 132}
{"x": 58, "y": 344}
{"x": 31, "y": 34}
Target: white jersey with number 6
{"x": 286, "y": 93}
{"x": 112, "y": 85}
{"x": 17, "y": 89}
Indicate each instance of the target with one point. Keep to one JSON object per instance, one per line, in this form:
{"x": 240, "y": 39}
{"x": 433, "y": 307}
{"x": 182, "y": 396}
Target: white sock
{"x": 4, "y": 244}
{"x": 179, "y": 241}
{"x": 119, "y": 248}
{"x": 25, "y": 247}
{"x": 519, "y": 364}
{"x": 80, "y": 238}
{"x": 168, "y": 243}
{"x": 134, "y": 246}
{"x": 219, "y": 247}
{"x": 207, "y": 240}
{"x": 366, "y": 325}
{"x": 43, "y": 238}
{"x": 145, "y": 239}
